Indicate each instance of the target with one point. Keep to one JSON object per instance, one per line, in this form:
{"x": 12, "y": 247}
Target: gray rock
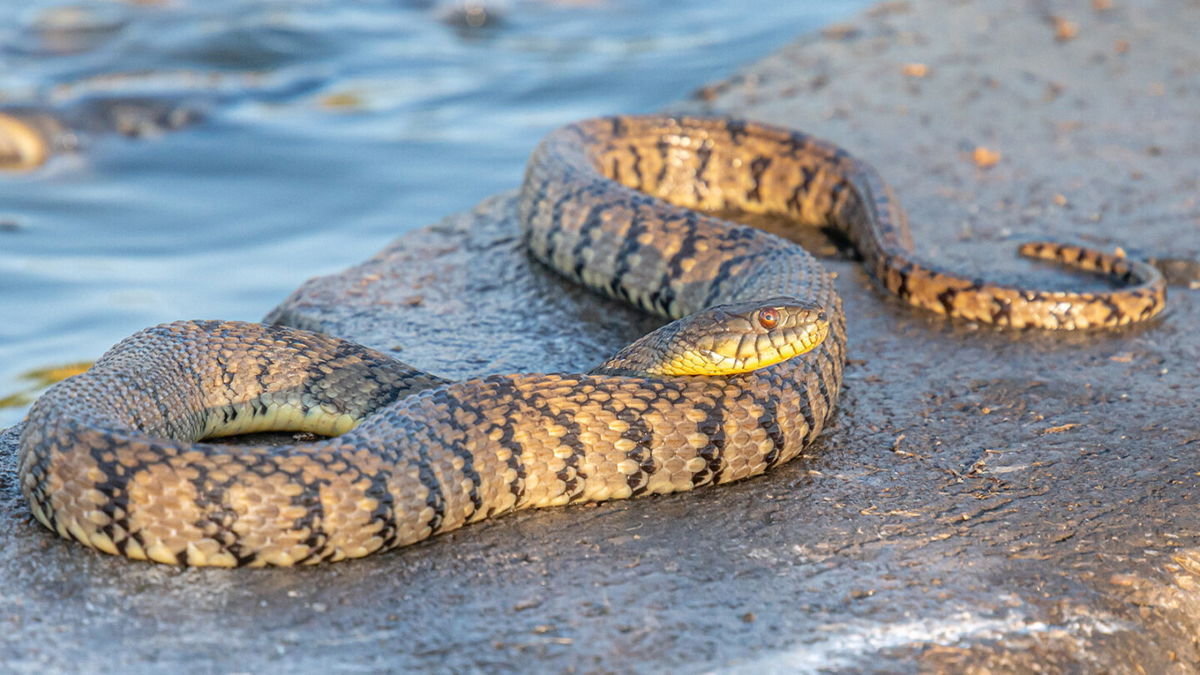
{"x": 983, "y": 500}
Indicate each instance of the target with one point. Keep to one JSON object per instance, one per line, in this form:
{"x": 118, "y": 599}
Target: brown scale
{"x": 112, "y": 457}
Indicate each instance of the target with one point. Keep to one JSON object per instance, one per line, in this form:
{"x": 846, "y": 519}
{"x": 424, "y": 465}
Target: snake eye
{"x": 768, "y": 318}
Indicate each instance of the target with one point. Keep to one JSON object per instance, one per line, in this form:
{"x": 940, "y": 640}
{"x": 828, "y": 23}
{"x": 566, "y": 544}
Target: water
{"x": 330, "y": 127}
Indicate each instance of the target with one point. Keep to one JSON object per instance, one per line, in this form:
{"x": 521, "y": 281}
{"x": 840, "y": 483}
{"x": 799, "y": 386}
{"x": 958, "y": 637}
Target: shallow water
{"x": 329, "y": 127}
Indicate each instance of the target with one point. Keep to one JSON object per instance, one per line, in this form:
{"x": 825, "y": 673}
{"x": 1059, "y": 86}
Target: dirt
{"x": 984, "y": 500}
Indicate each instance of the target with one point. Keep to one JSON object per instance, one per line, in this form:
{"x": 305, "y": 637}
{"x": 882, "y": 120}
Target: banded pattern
{"x": 112, "y": 457}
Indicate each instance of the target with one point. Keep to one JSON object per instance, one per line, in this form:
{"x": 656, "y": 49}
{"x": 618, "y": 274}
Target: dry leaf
{"x": 985, "y": 157}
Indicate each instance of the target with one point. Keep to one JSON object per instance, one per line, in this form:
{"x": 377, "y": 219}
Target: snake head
{"x": 725, "y": 340}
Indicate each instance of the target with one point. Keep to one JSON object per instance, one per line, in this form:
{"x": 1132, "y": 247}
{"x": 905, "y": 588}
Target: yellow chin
{"x": 712, "y": 363}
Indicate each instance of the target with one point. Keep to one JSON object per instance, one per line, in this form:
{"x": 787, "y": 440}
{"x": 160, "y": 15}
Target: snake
{"x": 126, "y": 457}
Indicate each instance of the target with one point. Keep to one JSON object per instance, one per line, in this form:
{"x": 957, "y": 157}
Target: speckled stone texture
{"x": 984, "y": 500}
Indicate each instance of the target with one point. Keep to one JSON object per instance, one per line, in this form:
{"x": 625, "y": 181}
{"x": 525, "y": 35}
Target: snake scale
{"x": 116, "y": 457}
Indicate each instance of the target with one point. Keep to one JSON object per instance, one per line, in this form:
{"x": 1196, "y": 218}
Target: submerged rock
{"x": 30, "y": 135}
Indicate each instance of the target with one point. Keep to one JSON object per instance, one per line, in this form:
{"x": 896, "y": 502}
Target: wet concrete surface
{"x": 984, "y": 500}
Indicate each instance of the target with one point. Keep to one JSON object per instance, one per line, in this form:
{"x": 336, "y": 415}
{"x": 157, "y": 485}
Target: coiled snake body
{"x": 113, "y": 457}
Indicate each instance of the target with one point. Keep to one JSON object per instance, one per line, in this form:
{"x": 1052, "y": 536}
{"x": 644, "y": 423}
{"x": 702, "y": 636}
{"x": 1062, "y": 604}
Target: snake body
{"x": 114, "y": 458}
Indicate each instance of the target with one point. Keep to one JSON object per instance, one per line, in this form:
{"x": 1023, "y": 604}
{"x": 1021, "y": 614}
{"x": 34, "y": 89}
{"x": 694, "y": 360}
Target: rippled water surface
{"x": 328, "y": 128}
